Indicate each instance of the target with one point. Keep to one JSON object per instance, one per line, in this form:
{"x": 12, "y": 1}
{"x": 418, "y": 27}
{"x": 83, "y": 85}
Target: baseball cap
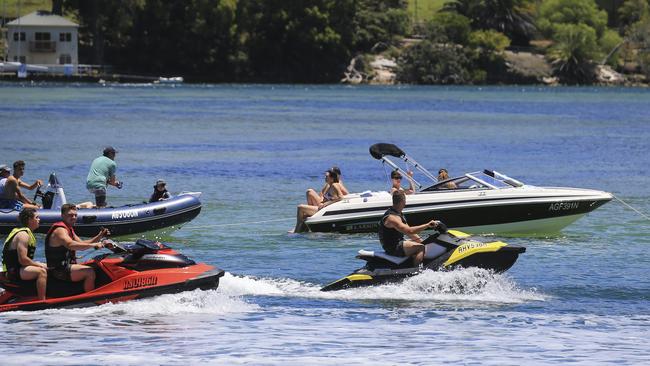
{"x": 160, "y": 181}
{"x": 109, "y": 150}
{"x": 4, "y": 167}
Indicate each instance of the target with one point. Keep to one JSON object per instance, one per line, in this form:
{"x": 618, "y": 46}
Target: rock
{"x": 606, "y": 75}
{"x": 384, "y": 71}
{"x": 529, "y": 66}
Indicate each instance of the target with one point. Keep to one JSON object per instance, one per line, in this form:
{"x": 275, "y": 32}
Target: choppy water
{"x": 580, "y": 298}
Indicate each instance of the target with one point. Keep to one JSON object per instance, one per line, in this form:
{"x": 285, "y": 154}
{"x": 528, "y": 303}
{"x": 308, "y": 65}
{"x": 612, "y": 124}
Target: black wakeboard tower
{"x": 381, "y": 151}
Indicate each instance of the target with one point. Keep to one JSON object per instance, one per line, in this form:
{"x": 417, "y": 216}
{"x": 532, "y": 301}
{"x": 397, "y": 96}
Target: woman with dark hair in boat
{"x": 332, "y": 193}
{"x": 314, "y": 198}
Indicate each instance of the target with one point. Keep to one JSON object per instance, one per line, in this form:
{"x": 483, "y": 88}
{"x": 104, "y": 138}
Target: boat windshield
{"x": 476, "y": 180}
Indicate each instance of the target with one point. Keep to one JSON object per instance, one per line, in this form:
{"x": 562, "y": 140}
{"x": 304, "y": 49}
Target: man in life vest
{"x": 61, "y": 244}
{"x": 18, "y": 253}
{"x": 393, "y": 226}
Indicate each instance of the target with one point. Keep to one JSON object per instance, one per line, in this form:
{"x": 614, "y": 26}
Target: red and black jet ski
{"x": 133, "y": 271}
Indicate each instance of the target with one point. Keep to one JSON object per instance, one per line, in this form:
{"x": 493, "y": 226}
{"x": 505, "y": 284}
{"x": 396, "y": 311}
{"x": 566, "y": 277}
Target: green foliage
{"x": 297, "y": 41}
{"x": 553, "y": 13}
{"x": 609, "y": 45}
{"x": 489, "y": 40}
{"x": 431, "y": 63}
{"x": 448, "y": 27}
{"x": 425, "y": 9}
{"x": 379, "y": 21}
{"x": 17, "y": 8}
{"x": 235, "y": 40}
{"x": 576, "y": 45}
{"x": 632, "y": 11}
{"x": 639, "y": 35}
{"x": 510, "y": 17}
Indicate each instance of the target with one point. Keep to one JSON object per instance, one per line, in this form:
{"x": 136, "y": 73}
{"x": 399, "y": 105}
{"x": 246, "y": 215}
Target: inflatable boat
{"x": 121, "y": 221}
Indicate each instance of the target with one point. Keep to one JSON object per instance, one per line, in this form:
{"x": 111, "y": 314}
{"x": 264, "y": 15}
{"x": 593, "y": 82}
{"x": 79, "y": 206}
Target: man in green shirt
{"x": 102, "y": 173}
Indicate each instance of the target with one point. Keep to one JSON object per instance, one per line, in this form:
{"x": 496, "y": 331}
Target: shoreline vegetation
{"x": 439, "y": 42}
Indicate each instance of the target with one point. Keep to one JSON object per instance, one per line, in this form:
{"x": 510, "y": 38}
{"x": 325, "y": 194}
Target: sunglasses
{"x": 398, "y": 178}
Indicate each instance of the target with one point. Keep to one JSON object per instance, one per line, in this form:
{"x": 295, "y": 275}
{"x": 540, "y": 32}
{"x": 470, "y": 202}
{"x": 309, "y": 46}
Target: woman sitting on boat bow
{"x": 332, "y": 192}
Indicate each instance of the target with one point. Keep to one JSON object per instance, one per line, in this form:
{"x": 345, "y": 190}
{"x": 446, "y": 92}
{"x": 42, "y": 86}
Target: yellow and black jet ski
{"x": 444, "y": 251}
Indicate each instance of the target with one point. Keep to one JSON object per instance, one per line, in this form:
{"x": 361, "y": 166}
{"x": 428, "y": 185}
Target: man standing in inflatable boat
{"x": 102, "y": 173}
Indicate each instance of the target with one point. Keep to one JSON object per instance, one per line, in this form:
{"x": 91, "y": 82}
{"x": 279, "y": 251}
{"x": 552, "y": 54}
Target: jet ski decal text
{"x": 124, "y": 214}
{"x": 471, "y": 245}
{"x": 140, "y": 282}
{"x": 563, "y": 206}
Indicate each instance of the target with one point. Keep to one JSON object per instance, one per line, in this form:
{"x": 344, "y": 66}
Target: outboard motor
{"x": 54, "y": 197}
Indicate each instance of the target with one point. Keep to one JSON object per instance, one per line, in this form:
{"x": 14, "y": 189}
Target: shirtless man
{"x": 61, "y": 244}
{"x": 10, "y": 195}
{"x": 19, "y": 171}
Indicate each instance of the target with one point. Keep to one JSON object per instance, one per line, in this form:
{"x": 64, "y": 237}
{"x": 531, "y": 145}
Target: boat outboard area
{"x": 443, "y": 251}
{"x": 480, "y": 202}
{"x": 134, "y": 270}
{"x": 122, "y": 221}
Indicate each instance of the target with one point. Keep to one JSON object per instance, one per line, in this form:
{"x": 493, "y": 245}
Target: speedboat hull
{"x": 121, "y": 221}
{"x": 443, "y": 252}
{"x": 517, "y": 210}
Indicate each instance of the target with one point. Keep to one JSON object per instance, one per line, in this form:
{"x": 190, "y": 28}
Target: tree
{"x": 510, "y": 17}
{"x": 555, "y": 12}
{"x": 446, "y": 26}
{"x": 297, "y": 41}
{"x": 576, "y": 45}
{"x": 379, "y": 22}
{"x": 433, "y": 63}
{"x": 632, "y": 11}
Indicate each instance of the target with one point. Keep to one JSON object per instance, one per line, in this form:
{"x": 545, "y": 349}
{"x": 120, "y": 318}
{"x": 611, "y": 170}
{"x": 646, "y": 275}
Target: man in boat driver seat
{"x": 61, "y": 244}
{"x": 393, "y": 226}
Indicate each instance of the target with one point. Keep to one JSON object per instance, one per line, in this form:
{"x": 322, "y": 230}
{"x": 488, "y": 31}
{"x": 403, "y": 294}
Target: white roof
{"x": 42, "y": 18}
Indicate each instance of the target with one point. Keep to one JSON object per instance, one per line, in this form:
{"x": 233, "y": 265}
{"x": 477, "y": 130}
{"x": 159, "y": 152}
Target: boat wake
{"x": 473, "y": 285}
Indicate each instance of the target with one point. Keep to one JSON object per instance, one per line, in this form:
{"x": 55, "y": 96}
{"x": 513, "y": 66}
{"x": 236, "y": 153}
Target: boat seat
{"x": 383, "y": 255}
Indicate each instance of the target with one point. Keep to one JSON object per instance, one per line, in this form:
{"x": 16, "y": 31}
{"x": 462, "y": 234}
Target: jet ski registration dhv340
{"x": 453, "y": 249}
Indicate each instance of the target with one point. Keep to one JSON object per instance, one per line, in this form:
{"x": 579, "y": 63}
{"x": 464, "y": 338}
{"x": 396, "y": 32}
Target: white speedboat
{"x": 481, "y": 202}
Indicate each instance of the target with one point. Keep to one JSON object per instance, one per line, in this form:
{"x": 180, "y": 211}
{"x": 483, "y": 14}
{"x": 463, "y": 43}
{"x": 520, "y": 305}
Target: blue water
{"x": 581, "y": 297}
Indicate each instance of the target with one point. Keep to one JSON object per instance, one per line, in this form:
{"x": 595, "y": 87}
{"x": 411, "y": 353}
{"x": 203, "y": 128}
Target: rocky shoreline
{"x": 522, "y": 68}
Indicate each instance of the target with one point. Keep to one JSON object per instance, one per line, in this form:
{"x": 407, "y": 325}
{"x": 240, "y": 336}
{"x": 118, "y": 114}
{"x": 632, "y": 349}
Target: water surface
{"x": 580, "y": 297}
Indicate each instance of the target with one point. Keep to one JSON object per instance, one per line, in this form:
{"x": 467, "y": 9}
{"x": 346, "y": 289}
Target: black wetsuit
{"x": 392, "y": 240}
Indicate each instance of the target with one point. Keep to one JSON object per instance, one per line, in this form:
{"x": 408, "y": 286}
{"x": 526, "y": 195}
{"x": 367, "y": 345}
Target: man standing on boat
{"x": 18, "y": 253}
{"x": 61, "y": 244}
{"x": 393, "y": 226}
{"x": 102, "y": 173}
